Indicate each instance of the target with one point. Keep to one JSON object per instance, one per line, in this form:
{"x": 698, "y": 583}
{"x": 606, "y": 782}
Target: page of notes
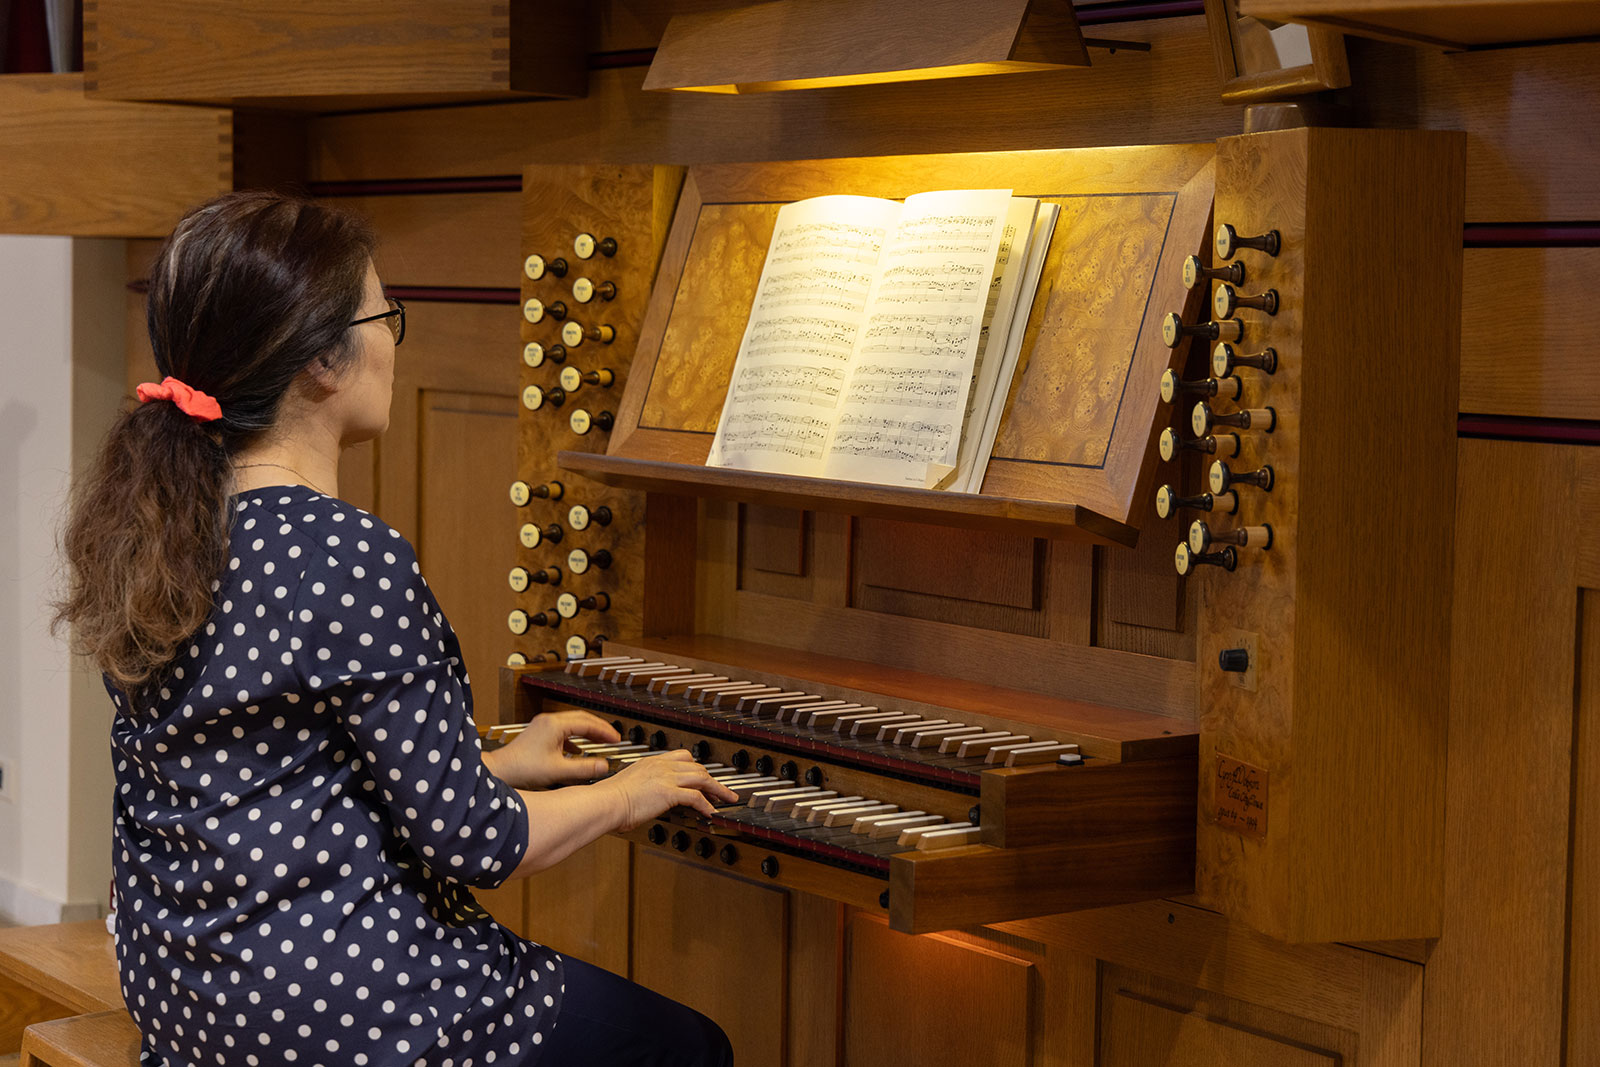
{"x": 905, "y": 398}
{"x": 794, "y": 361}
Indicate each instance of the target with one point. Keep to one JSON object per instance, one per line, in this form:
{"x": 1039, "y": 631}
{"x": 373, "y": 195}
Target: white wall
{"x": 61, "y": 379}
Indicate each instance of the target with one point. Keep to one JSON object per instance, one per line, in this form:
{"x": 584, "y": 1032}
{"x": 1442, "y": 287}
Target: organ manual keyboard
{"x": 940, "y": 815}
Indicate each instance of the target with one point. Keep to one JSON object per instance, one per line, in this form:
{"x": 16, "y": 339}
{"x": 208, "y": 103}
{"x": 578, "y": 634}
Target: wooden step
{"x": 102, "y": 1039}
{"x": 74, "y": 964}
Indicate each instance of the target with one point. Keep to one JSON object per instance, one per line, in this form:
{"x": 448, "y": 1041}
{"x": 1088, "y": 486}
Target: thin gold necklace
{"x": 307, "y": 481}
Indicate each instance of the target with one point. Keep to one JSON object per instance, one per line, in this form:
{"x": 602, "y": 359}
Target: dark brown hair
{"x": 245, "y": 293}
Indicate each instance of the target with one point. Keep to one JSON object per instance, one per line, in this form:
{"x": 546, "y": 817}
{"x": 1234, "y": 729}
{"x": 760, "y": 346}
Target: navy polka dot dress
{"x": 300, "y": 810}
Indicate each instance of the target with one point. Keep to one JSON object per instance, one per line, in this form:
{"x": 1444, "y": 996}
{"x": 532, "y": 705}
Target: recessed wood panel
{"x": 1525, "y": 343}
{"x": 1140, "y": 1032}
{"x": 933, "y": 999}
{"x": 580, "y": 906}
{"x": 444, "y": 239}
{"x": 717, "y": 944}
{"x": 991, "y": 580}
{"x": 773, "y": 539}
{"x": 96, "y": 168}
{"x": 468, "y": 457}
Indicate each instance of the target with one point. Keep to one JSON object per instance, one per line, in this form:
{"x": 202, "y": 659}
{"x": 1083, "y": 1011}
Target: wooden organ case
{"x": 1261, "y": 745}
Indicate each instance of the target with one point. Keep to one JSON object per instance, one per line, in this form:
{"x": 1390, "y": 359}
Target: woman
{"x": 301, "y": 799}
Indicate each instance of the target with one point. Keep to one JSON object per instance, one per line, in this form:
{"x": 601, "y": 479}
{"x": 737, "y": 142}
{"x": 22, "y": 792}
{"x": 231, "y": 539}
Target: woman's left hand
{"x": 536, "y": 757}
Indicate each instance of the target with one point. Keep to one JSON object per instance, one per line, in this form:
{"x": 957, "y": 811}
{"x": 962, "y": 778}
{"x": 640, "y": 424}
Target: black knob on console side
{"x": 1174, "y": 331}
{"x": 1225, "y": 359}
{"x": 1229, "y": 242}
{"x": 1194, "y": 273}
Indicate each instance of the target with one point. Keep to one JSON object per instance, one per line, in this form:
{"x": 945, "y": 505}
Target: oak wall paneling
{"x": 1519, "y": 522}
{"x": 93, "y": 168}
{"x": 358, "y": 53}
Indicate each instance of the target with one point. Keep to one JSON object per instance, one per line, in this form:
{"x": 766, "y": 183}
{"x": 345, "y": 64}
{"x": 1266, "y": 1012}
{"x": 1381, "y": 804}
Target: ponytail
{"x": 247, "y": 291}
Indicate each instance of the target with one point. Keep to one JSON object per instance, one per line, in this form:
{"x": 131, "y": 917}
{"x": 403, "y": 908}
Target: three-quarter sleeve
{"x": 375, "y": 652}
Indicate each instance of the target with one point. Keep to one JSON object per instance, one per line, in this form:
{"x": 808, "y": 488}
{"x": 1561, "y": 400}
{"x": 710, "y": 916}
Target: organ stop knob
{"x": 534, "y": 398}
{"x": 1202, "y": 537}
{"x": 1226, "y": 444}
{"x": 1174, "y": 330}
{"x": 1194, "y": 272}
{"x": 1225, "y": 359}
{"x": 535, "y": 267}
{"x": 1168, "y": 502}
{"x": 533, "y": 536}
{"x": 1222, "y": 478}
{"x": 579, "y": 561}
{"x": 535, "y": 354}
{"x": 581, "y": 421}
{"x": 1229, "y": 242}
{"x": 1227, "y": 300}
{"x": 572, "y": 379}
{"x": 575, "y": 333}
{"x": 1203, "y": 420}
{"x": 1228, "y": 388}
{"x": 584, "y": 290}
{"x": 535, "y": 310}
{"x": 568, "y": 604}
{"x": 1186, "y": 560}
{"x": 579, "y": 517}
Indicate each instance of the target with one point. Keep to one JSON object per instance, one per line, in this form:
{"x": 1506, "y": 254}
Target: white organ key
{"x": 998, "y": 753}
{"x": 948, "y": 837}
{"x": 953, "y": 743}
{"x": 762, "y": 797}
{"x": 910, "y": 835}
{"x": 785, "y": 802}
{"x": 792, "y": 712}
{"x": 614, "y": 750}
{"x": 977, "y": 746}
{"x": 745, "y": 776}
{"x": 893, "y": 734}
{"x": 743, "y": 789}
{"x": 701, "y": 689}
{"x": 892, "y": 826}
{"x": 667, "y": 685}
{"x": 733, "y": 696}
{"x": 1028, "y": 757}
{"x": 745, "y": 703}
{"x": 936, "y": 737}
{"x": 845, "y": 723}
{"x": 810, "y": 809}
{"x": 762, "y": 707}
{"x": 849, "y": 813}
{"x": 636, "y": 756}
{"x": 870, "y": 726}
{"x": 713, "y": 768}
{"x": 632, "y": 676}
{"x": 585, "y": 667}
{"x": 825, "y": 717}
{"x": 865, "y": 823}
{"x": 609, "y": 673}
{"x": 759, "y": 798}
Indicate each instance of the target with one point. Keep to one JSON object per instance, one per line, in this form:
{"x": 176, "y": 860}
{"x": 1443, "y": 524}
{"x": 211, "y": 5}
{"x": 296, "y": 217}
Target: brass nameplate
{"x": 1241, "y": 798}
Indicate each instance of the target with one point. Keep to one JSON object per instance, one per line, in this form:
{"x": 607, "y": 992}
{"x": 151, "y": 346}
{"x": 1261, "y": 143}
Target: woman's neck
{"x": 292, "y": 460}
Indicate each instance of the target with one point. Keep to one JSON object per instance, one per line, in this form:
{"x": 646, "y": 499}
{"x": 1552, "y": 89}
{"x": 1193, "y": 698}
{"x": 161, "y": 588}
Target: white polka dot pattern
{"x": 300, "y": 809}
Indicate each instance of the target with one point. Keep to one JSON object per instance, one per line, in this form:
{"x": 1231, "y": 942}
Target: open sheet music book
{"x": 883, "y": 338}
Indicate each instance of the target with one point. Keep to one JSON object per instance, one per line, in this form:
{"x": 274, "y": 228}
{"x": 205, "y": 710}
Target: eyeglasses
{"x": 396, "y": 316}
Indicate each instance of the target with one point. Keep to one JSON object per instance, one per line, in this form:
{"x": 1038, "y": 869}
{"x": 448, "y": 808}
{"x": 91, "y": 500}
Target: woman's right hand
{"x": 650, "y": 787}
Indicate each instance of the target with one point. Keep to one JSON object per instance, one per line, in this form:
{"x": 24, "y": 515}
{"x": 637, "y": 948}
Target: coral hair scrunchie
{"x": 189, "y": 401}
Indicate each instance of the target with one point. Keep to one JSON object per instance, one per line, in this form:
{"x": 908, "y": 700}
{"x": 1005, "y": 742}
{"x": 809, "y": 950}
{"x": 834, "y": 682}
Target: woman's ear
{"x": 320, "y": 377}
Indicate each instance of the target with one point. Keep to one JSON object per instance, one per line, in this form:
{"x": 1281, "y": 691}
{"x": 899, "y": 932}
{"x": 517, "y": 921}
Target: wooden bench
{"x": 60, "y": 999}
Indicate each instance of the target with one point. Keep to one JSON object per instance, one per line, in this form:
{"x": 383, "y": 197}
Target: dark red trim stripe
{"x": 1523, "y": 428}
{"x": 454, "y": 294}
{"x": 1531, "y": 235}
{"x": 493, "y": 183}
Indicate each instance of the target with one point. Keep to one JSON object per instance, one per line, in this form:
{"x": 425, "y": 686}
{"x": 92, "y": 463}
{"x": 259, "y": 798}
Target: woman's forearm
{"x": 561, "y": 821}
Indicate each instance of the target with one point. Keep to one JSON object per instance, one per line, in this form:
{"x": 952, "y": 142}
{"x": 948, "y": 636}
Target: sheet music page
{"x": 903, "y": 405}
{"x": 1008, "y": 350}
{"x": 998, "y": 314}
{"x": 808, "y": 310}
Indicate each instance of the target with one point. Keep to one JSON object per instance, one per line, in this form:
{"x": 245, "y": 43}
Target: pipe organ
{"x": 955, "y": 745}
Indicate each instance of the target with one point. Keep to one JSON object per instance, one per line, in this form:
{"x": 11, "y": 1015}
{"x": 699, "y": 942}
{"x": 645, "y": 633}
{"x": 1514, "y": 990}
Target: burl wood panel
{"x": 689, "y": 950}
{"x": 1350, "y": 606}
{"x": 96, "y": 168}
{"x": 632, "y": 205}
{"x": 293, "y": 55}
{"x": 1080, "y": 414}
{"x": 718, "y": 283}
{"x": 933, "y": 1000}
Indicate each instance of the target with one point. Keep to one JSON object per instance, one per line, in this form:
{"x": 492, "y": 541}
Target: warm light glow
{"x": 873, "y": 77}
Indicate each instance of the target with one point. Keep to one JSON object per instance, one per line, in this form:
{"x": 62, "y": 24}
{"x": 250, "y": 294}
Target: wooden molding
{"x": 809, "y": 44}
